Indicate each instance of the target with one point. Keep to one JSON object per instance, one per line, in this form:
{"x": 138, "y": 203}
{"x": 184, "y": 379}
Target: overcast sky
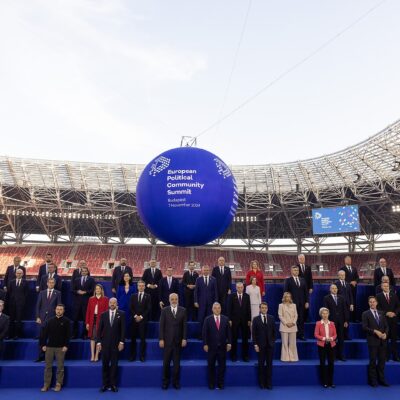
{"x": 122, "y": 81}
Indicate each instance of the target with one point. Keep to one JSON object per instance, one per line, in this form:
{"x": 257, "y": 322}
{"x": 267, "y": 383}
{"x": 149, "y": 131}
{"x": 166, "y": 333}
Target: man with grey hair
{"x": 384, "y": 279}
{"x": 4, "y": 325}
{"x": 17, "y": 292}
{"x": 306, "y": 273}
{"x": 383, "y": 270}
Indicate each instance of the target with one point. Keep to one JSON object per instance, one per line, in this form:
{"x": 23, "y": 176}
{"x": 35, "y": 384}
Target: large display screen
{"x": 335, "y": 220}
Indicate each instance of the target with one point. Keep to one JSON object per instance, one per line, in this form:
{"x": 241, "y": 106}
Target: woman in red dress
{"x": 256, "y": 271}
{"x": 98, "y": 304}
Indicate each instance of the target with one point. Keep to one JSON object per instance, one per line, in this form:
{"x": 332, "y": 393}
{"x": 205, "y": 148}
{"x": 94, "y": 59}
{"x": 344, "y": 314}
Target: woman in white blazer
{"x": 288, "y": 316}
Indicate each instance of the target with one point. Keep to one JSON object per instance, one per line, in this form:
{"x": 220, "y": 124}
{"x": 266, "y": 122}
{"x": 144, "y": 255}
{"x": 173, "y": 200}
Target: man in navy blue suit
{"x": 152, "y": 277}
{"x": 352, "y": 278}
{"x": 52, "y": 273}
{"x": 216, "y": 343}
{"x": 18, "y": 291}
{"x": 205, "y": 294}
{"x": 44, "y": 270}
{"x": 223, "y": 276}
{"x": 168, "y": 285}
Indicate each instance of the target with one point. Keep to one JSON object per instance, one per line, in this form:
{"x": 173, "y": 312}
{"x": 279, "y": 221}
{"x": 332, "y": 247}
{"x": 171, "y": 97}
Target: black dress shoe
{"x": 397, "y": 359}
{"x": 384, "y": 383}
{"x": 132, "y": 359}
{"x": 176, "y": 386}
{"x": 325, "y": 386}
{"x": 221, "y": 386}
{"x": 233, "y": 359}
{"x": 373, "y": 384}
{"x": 40, "y": 359}
{"x": 103, "y": 388}
{"x": 342, "y": 359}
{"x": 114, "y": 389}
{"x": 211, "y": 387}
{"x": 164, "y": 386}
{"x": 246, "y": 359}
{"x": 333, "y": 386}
{"x": 302, "y": 337}
{"x": 269, "y": 387}
{"x": 141, "y": 358}
{"x": 263, "y": 387}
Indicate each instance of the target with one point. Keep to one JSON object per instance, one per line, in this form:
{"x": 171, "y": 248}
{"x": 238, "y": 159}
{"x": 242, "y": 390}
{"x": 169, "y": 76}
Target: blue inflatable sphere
{"x": 186, "y": 196}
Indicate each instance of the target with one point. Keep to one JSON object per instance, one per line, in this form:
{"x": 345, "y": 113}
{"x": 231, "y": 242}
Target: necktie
{"x": 376, "y": 316}
{"x": 302, "y": 268}
{"x": 112, "y": 318}
{"x": 49, "y": 296}
{"x": 217, "y": 322}
{"x": 123, "y": 269}
{"x": 17, "y": 282}
{"x": 191, "y": 274}
{"x": 240, "y": 299}
{"x": 384, "y": 271}
{"x": 140, "y": 297}
{"x": 264, "y": 320}
{"x": 152, "y": 272}
{"x": 297, "y": 282}
{"x": 387, "y": 297}
{"x": 169, "y": 283}
{"x": 174, "y": 312}
{"x": 222, "y": 270}
{"x": 342, "y": 283}
{"x": 206, "y": 280}
{"x": 349, "y": 268}
{"x": 335, "y": 298}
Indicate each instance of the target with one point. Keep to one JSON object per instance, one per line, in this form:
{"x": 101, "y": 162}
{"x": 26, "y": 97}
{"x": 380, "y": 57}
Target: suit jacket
{"x": 165, "y": 291}
{"x": 350, "y": 276}
{"x": 319, "y": 333}
{"x": 111, "y": 336}
{"x": 205, "y": 294}
{"x": 345, "y": 292}
{"x": 77, "y": 274}
{"x": 338, "y": 313}
{"x": 239, "y": 312}
{"x": 2, "y": 294}
{"x": 88, "y": 287}
{"x": 10, "y": 275}
{"x": 369, "y": 324}
{"x": 45, "y": 308}
{"x": 17, "y": 294}
{"x": 393, "y": 305}
{"x": 42, "y": 271}
{"x": 173, "y": 329}
{"x": 307, "y": 275}
{"x": 148, "y": 278}
{"x": 43, "y": 282}
{"x": 118, "y": 276}
{"x": 299, "y": 293}
{"x": 378, "y": 273}
{"x": 4, "y": 325}
{"x": 264, "y": 335}
{"x": 187, "y": 279}
{"x": 224, "y": 281}
{"x": 143, "y": 308}
{"x": 216, "y": 338}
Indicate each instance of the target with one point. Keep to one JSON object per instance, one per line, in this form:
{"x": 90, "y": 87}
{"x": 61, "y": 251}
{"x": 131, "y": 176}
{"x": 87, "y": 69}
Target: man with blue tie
{"x": 216, "y": 343}
{"x": 223, "y": 277}
{"x": 205, "y": 294}
{"x": 168, "y": 285}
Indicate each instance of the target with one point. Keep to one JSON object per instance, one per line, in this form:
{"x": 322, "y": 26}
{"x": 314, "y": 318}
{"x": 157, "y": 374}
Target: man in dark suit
{"x": 344, "y": 290}
{"x": 352, "y": 278}
{"x": 339, "y": 314}
{"x": 384, "y": 279}
{"x": 17, "y": 291}
{"x": 152, "y": 277}
{"x": 11, "y": 272}
{"x": 46, "y": 308}
{"x": 216, "y": 342}
{"x": 168, "y": 285}
{"x": 189, "y": 283}
{"x": 44, "y": 270}
{"x": 383, "y": 270}
{"x": 172, "y": 336}
{"x": 205, "y": 294}
{"x": 111, "y": 340}
{"x": 82, "y": 289}
{"x": 297, "y": 287}
{"x": 4, "y": 327}
{"x": 239, "y": 314}
{"x": 389, "y": 304}
{"x": 77, "y": 272}
{"x": 223, "y": 277}
{"x": 52, "y": 268}
{"x": 376, "y": 328}
{"x": 140, "y": 306}
{"x": 306, "y": 273}
{"x": 118, "y": 275}
{"x": 264, "y": 336}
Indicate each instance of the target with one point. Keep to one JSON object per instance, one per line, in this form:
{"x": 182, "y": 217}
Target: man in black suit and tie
{"x": 223, "y": 277}
{"x": 216, "y": 342}
{"x": 44, "y": 270}
{"x": 239, "y": 314}
{"x": 306, "y": 273}
{"x": 384, "y": 279}
{"x": 297, "y": 287}
{"x": 376, "y": 328}
{"x": 11, "y": 272}
{"x": 4, "y": 327}
{"x": 52, "y": 268}
{"x": 389, "y": 304}
{"x": 172, "y": 336}
{"x": 168, "y": 285}
{"x": 339, "y": 314}
{"x": 82, "y": 289}
{"x": 152, "y": 277}
{"x": 118, "y": 275}
{"x": 140, "y": 306}
{"x": 17, "y": 291}
{"x": 352, "y": 278}
{"x": 344, "y": 290}
{"x": 383, "y": 270}
{"x": 77, "y": 272}
{"x": 111, "y": 340}
{"x": 46, "y": 308}
{"x": 264, "y": 337}
{"x": 189, "y": 283}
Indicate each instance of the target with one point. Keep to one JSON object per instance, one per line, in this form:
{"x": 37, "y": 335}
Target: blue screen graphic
{"x": 335, "y": 220}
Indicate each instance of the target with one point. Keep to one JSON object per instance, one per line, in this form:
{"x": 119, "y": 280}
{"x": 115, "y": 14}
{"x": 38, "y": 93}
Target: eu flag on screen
{"x": 335, "y": 220}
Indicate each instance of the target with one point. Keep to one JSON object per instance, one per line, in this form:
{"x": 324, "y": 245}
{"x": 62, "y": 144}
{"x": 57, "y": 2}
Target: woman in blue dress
{"x": 124, "y": 294}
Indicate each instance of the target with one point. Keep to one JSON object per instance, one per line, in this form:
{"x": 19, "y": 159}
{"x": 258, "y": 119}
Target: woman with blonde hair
{"x": 253, "y": 291}
{"x": 288, "y": 328}
{"x": 97, "y": 304}
{"x": 255, "y": 271}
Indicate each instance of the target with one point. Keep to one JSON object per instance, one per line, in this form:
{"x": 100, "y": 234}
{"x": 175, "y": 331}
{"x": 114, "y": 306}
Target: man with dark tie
{"x": 46, "y": 308}
{"x": 172, "y": 338}
{"x": 82, "y": 289}
{"x": 376, "y": 328}
{"x": 239, "y": 314}
{"x": 50, "y": 274}
{"x": 389, "y": 304}
{"x": 264, "y": 336}
{"x": 189, "y": 283}
{"x": 216, "y": 342}
{"x": 344, "y": 290}
{"x": 118, "y": 275}
{"x": 111, "y": 340}
{"x": 205, "y": 294}
{"x": 140, "y": 306}
{"x": 17, "y": 292}
{"x": 4, "y": 327}
{"x": 168, "y": 285}
{"x": 384, "y": 279}
{"x": 383, "y": 270}
{"x": 11, "y": 272}
{"x": 223, "y": 277}
{"x": 77, "y": 273}
{"x": 152, "y": 277}
{"x": 339, "y": 314}
{"x": 352, "y": 278}
{"x": 44, "y": 270}
{"x": 306, "y": 273}
{"x": 297, "y": 287}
